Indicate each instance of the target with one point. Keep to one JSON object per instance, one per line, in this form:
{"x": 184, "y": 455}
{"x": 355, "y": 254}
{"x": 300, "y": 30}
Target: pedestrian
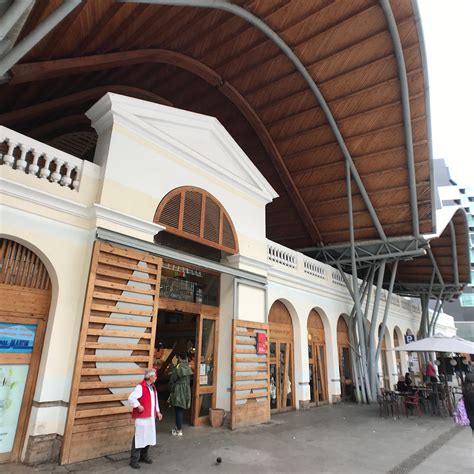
{"x": 144, "y": 401}
{"x": 180, "y": 396}
{"x": 468, "y": 397}
{"x": 431, "y": 372}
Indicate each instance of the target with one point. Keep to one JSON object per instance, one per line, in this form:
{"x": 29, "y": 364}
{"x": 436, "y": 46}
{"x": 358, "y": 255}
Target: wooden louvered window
{"x": 194, "y": 214}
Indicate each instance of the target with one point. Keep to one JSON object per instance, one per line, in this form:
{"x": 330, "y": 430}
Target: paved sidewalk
{"x": 331, "y": 439}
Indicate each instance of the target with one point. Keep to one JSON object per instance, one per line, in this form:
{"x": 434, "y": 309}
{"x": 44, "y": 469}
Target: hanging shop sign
{"x": 409, "y": 338}
{"x": 261, "y": 343}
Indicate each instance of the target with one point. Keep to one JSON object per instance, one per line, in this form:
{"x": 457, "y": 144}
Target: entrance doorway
{"x": 25, "y": 292}
{"x": 282, "y": 381}
{"x": 345, "y": 362}
{"x": 318, "y": 385}
{"x": 196, "y": 335}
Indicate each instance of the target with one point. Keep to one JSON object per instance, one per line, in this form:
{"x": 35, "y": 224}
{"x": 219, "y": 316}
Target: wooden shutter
{"x": 194, "y": 214}
{"x": 116, "y": 345}
{"x": 250, "y": 402}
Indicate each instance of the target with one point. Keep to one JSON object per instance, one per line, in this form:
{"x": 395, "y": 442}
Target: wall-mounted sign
{"x": 17, "y": 337}
{"x": 261, "y": 343}
{"x": 409, "y": 338}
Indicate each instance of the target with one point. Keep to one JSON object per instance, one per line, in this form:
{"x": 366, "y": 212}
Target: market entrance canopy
{"x": 311, "y": 91}
{"x": 439, "y": 343}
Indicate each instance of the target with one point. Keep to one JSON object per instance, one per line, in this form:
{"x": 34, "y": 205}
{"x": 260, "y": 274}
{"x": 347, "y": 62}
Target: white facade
{"x": 144, "y": 151}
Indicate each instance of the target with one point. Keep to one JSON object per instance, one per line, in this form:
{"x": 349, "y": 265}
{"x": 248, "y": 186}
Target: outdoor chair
{"x": 413, "y": 402}
{"x": 388, "y": 404}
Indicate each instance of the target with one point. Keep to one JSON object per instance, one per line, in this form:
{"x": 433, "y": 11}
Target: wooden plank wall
{"x": 250, "y": 402}
{"x": 115, "y": 347}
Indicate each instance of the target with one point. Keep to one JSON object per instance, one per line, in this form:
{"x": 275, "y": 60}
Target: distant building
{"x": 450, "y": 193}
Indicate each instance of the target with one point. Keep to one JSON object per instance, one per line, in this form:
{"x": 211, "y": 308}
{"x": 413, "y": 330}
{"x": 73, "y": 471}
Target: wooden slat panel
{"x": 103, "y": 398}
{"x": 105, "y": 345}
{"x": 116, "y": 309}
{"x": 120, "y": 322}
{"x": 256, "y": 377}
{"x": 110, "y": 358}
{"x": 119, "y": 286}
{"x": 102, "y": 412}
{"x": 98, "y": 414}
{"x": 108, "y": 384}
{"x": 127, "y": 334}
{"x": 127, "y": 299}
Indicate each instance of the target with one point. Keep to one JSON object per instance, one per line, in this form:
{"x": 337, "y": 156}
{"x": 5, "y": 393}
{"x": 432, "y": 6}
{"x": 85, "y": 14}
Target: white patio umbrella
{"x": 439, "y": 343}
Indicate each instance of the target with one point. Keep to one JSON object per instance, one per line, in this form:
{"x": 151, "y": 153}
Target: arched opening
{"x": 385, "y": 375}
{"x": 192, "y": 214}
{"x": 25, "y": 292}
{"x": 345, "y": 362}
{"x": 397, "y": 340}
{"x": 318, "y": 380}
{"x": 282, "y": 379}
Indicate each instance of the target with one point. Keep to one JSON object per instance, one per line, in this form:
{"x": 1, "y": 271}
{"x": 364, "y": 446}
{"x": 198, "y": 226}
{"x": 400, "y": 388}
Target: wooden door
{"x": 115, "y": 348}
{"x": 282, "y": 380}
{"x": 281, "y": 376}
{"x": 317, "y": 359}
{"x": 250, "y": 402}
{"x": 205, "y": 370}
{"x": 25, "y": 295}
{"x": 345, "y": 362}
{"x": 318, "y": 373}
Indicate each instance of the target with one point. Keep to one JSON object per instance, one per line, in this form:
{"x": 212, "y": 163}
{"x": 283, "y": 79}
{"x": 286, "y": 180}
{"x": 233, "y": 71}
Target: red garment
{"x": 145, "y": 402}
{"x": 430, "y": 370}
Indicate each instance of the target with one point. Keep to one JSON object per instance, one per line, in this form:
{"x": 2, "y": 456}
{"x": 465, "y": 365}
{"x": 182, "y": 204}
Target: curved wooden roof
{"x": 450, "y": 253}
{"x": 217, "y": 63}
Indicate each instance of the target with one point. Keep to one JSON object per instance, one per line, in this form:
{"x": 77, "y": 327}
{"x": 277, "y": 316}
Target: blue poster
{"x": 17, "y": 337}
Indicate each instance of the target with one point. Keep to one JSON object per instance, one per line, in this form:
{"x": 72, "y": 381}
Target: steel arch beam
{"x": 402, "y": 74}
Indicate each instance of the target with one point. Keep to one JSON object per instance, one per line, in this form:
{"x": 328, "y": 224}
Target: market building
{"x": 212, "y": 185}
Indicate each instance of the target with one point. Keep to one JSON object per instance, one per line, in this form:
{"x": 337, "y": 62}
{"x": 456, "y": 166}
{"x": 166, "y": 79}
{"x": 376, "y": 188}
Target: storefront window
{"x": 188, "y": 284}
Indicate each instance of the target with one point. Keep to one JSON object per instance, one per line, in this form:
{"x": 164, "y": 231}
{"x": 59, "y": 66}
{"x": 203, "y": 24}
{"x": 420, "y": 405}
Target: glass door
{"x": 317, "y": 373}
{"x": 19, "y": 350}
{"x": 345, "y": 372}
{"x": 281, "y": 376}
{"x": 205, "y": 370}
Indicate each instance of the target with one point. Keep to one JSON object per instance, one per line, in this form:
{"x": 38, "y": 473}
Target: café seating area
{"x": 430, "y": 399}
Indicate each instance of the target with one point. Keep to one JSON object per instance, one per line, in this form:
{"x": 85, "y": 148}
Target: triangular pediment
{"x": 196, "y": 138}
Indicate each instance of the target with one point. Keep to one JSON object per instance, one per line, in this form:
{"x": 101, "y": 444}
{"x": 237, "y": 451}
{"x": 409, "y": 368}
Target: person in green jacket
{"x": 180, "y": 396}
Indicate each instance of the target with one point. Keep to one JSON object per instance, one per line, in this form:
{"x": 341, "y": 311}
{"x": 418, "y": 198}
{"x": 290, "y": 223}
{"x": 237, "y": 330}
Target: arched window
{"x": 194, "y": 214}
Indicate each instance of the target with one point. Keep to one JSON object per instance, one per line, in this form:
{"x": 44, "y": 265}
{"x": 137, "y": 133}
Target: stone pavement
{"x": 332, "y": 439}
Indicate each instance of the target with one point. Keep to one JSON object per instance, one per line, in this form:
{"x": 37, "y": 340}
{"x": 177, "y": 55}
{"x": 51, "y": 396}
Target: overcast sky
{"x": 448, "y": 27}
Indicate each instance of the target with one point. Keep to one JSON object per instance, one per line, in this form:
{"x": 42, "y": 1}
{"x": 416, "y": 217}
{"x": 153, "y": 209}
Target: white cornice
{"x": 88, "y": 213}
{"x": 35, "y": 196}
{"x": 126, "y": 220}
{"x": 237, "y": 260}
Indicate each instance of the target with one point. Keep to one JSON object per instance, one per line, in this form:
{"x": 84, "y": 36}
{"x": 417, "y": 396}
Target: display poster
{"x": 261, "y": 343}
{"x": 17, "y": 337}
{"x": 202, "y": 369}
{"x": 12, "y": 386}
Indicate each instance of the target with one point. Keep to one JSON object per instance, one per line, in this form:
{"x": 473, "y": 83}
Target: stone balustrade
{"x": 281, "y": 255}
{"x": 34, "y": 158}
